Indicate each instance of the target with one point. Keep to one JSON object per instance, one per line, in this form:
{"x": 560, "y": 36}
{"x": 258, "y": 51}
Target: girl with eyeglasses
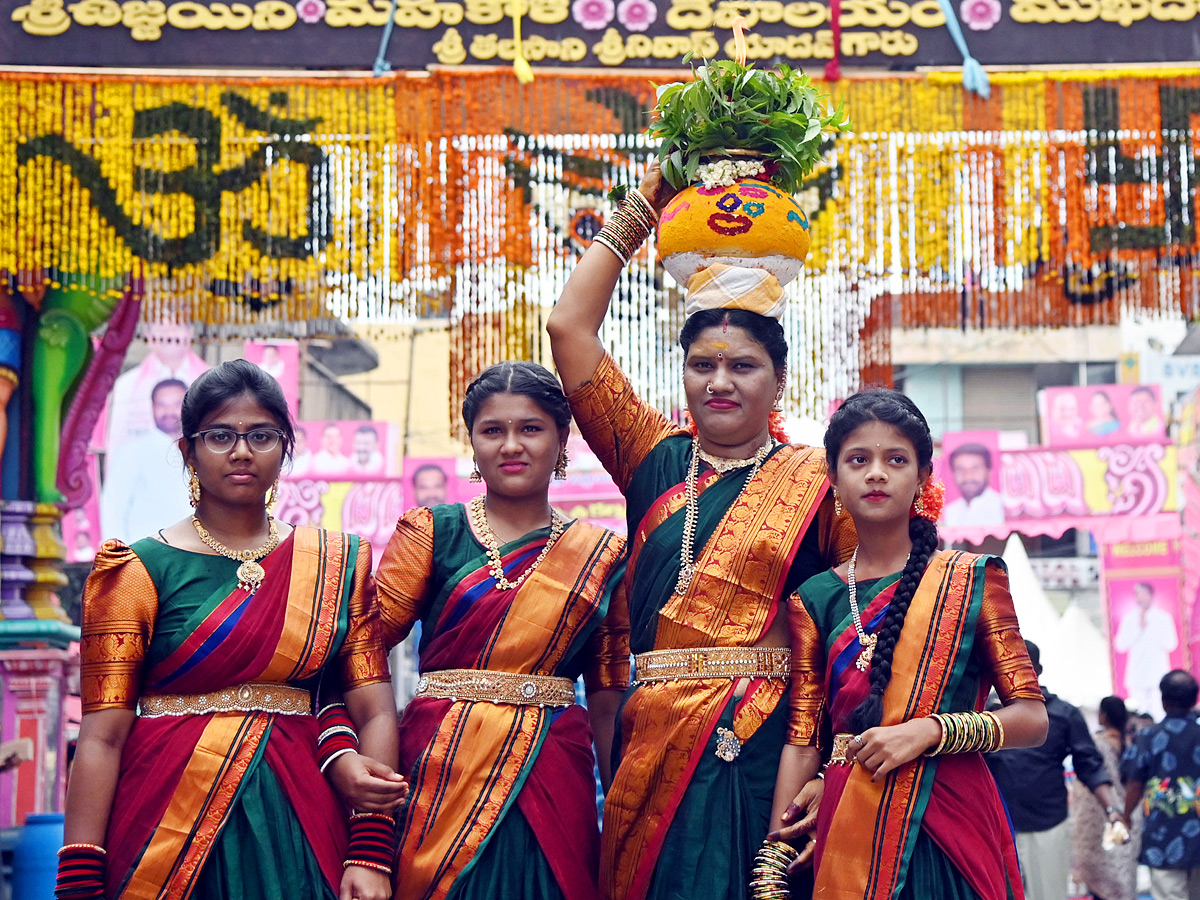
{"x": 203, "y": 649}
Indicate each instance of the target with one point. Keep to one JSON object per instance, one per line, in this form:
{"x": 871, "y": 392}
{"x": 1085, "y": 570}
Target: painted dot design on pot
{"x": 737, "y": 215}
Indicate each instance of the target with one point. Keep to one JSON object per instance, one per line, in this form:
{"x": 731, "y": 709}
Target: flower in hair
{"x": 929, "y": 502}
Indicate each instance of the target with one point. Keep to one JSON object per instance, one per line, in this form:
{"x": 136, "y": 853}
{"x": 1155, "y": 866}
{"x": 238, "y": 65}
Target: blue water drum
{"x": 35, "y": 857}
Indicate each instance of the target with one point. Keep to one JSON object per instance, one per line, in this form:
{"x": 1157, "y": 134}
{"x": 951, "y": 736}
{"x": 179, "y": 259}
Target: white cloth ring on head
{"x": 858, "y": 739}
{"x": 708, "y": 387}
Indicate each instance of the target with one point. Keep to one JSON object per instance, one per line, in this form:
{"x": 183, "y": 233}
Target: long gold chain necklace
{"x": 867, "y": 641}
{"x": 249, "y": 574}
{"x": 478, "y": 511}
{"x": 687, "y": 561}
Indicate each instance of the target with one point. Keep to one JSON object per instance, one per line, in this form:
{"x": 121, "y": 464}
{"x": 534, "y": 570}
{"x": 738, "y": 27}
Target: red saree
{"x": 472, "y": 762}
{"x": 959, "y": 638}
{"x": 180, "y": 775}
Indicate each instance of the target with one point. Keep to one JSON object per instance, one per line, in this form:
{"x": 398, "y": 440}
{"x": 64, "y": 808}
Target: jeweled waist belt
{"x": 273, "y": 698}
{"x": 487, "y": 685}
{"x": 713, "y": 662}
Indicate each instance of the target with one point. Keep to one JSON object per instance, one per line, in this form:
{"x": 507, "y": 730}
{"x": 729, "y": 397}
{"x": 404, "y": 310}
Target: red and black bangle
{"x": 337, "y": 734}
{"x": 372, "y": 841}
{"x": 80, "y": 872}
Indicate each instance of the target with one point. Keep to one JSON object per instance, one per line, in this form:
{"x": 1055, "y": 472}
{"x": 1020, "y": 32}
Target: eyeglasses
{"x": 222, "y": 440}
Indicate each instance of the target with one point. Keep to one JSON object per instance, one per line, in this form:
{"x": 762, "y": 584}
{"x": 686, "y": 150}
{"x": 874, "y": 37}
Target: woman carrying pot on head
{"x": 899, "y": 647}
{"x": 202, "y": 647}
{"x": 724, "y": 524}
{"x": 512, "y": 599}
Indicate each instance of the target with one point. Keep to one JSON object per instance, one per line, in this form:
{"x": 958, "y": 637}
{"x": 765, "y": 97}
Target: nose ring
{"x": 708, "y": 387}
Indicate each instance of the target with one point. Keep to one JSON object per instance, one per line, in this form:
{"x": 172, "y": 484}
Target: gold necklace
{"x": 249, "y": 574}
{"x": 722, "y": 464}
{"x": 478, "y": 511}
{"x": 687, "y": 562}
{"x": 867, "y": 641}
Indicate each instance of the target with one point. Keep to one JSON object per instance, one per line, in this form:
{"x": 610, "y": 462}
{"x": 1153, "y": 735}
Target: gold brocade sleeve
{"x": 619, "y": 426}
{"x": 403, "y": 575}
{"x": 120, "y": 604}
{"x": 808, "y": 666}
{"x": 1001, "y": 646}
{"x": 608, "y": 647}
{"x": 362, "y": 659}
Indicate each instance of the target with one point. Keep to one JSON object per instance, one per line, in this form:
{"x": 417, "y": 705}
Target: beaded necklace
{"x": 687, "y": 563}
{"x": 868, "y": 641}
{"x": 478, "y": 511}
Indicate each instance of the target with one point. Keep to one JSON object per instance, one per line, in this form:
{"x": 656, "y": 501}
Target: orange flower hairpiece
{"x": 929, "y": 502}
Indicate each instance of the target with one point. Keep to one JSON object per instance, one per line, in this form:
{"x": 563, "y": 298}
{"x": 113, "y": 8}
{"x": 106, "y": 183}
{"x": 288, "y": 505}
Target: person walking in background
{"x": 909, "y": 810}
{"x": 1110, "y": 873}
{"x": 1034, "y": 789}
{"x": 1161, "y": 769}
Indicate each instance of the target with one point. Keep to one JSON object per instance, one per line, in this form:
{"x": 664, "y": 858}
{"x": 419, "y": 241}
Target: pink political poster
{"x": 430, "y": 480}
{"x": 280, "y": 360}
{"x": 1102, "y": 415}
{"x": 342, "y": 451}
{"x": 1141, "y": 587}
{"x": 970, "y": 468}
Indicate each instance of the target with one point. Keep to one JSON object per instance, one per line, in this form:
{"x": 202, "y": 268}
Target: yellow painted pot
{"x": 750, "y": 223}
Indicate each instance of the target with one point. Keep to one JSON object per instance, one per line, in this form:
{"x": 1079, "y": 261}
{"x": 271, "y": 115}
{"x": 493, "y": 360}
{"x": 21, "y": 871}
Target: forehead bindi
{"x": 515, "y": 408}
{"x": 241, "y": 414}
{"x": 732, "y": 344}
{"x": 878, "y": 437}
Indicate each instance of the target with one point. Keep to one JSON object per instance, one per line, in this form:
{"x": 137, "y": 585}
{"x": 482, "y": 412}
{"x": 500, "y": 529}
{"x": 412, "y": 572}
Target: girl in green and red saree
{"x": 513, "y": 599}
{"x": 203, "y": 647}
{"x": 896, "y": 650}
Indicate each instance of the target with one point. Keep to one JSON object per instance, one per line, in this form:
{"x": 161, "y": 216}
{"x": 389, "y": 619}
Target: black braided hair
{"x": 895, "y": 409}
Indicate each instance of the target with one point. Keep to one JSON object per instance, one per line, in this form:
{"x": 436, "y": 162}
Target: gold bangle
{"x": 378, "y": 867}
{"x": 998, "y": 742}
{"x": 96, "y": 847}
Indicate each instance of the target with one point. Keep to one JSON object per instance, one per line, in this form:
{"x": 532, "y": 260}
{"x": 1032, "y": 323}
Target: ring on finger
{"x": 858, "y": 739}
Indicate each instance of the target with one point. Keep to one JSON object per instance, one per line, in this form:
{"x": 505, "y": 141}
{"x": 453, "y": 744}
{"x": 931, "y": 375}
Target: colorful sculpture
{"x": 70, "y": 312}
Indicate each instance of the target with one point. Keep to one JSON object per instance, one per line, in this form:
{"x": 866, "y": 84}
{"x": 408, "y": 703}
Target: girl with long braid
{"x": 896, "y": 650}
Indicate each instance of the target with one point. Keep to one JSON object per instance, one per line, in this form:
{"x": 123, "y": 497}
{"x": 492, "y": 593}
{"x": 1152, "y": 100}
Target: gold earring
{"x": 476, "y": 475}
{"x": 837, "y": 503}
{"x": 193, "y": 488}
{"x": 919, "y": 503}
{"x": 273, "y": 494}
{"x": 560, "y": 467}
